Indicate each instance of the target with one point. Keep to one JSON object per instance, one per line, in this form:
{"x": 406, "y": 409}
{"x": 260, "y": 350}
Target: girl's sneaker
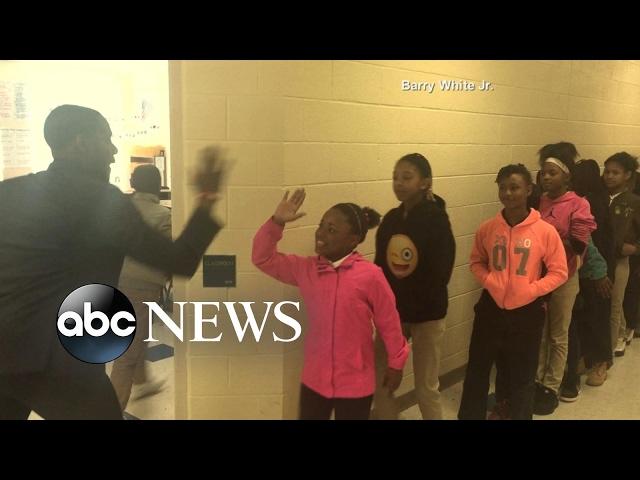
{"x": 629, "y": 335}
{"x": 597, "y": 375}
{"x": 569, "y": 393}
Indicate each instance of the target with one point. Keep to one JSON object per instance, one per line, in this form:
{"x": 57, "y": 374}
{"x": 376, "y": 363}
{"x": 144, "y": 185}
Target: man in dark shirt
{"x": 64, "y": 228}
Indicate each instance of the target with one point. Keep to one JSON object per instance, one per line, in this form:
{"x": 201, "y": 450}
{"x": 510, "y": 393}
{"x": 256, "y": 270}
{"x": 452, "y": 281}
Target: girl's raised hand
{"x": 287, "y": 210}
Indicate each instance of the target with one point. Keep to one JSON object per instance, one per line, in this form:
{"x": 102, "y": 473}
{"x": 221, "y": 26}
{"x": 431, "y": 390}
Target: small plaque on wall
{"x": 219, "y": 271}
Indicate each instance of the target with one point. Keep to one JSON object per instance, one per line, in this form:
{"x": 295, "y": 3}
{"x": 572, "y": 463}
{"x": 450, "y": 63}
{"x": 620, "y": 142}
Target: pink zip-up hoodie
{"x": 342, "y": 305}
{"x": 508, "y": 261}
{"x": 571, "y": 215}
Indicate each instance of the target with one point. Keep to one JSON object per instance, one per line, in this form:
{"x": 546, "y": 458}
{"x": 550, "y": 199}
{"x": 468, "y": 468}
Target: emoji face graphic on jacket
{"x": 402, "y": 256}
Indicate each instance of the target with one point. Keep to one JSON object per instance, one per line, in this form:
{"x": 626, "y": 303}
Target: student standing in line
{"x": 416, "y": 250}
{"x": 624, "y": 208}
{"x": 571, "y": 215}
{"x": 631, "y": 304}
{"x": 590, "y": 333}
{"x": 508, "y": 257}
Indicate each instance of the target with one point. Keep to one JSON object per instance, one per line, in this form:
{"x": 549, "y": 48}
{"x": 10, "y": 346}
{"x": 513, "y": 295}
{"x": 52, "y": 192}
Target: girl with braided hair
{"x": 345, "y": 297}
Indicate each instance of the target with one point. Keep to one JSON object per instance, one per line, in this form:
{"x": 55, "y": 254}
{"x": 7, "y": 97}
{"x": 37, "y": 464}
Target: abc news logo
{"x": 97, "y": 323}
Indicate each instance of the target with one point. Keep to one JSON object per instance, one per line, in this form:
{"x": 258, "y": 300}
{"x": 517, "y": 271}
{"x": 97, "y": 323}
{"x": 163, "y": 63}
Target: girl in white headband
{"x": 571, "y": 215}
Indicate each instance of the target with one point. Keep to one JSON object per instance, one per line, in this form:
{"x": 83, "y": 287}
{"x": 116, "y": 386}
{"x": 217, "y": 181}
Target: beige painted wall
{"x": 337, "y": 127}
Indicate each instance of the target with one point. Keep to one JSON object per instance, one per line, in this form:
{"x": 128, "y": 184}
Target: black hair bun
{"x": 371, "y": 216}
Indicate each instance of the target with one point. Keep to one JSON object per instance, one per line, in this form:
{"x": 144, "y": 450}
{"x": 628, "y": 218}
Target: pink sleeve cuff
{"x": 400, "y": 358}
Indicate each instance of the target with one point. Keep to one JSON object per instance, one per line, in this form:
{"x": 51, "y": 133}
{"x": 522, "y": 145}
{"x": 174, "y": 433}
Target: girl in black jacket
{"x": 415, "y": 248}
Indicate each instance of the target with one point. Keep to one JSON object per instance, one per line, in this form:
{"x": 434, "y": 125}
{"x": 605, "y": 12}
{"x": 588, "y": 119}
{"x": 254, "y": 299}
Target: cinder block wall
{"x": 337, "y": 128}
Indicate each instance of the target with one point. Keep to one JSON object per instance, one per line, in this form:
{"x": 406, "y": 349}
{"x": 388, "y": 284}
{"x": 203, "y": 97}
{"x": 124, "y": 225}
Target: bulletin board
{"x": 15, "y": 133}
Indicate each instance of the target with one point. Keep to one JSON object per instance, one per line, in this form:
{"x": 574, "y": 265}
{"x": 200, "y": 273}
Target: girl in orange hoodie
{"x": 507, "y": 258}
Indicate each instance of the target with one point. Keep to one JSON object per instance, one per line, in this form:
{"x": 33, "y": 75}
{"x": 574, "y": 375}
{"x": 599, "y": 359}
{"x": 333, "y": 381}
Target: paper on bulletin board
{"x": 15, "y": 147}
{"x": 13, "y": 101}
{"x": 16, "y": 138}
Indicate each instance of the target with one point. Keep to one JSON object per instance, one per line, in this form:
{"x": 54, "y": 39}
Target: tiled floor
{"x": 159, "y": 366}
{"x": 617, "y": 399}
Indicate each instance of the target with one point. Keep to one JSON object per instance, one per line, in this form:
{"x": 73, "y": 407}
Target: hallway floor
{"x": 617, "y": 399}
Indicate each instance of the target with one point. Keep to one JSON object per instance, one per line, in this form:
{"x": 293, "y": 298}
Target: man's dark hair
{"x": 146, "y": 179}
{"x": 65, "y": 122}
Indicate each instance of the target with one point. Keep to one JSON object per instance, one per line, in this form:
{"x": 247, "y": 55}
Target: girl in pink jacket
{"x": 571, "y": 216}
{"x": 345, "y": 296}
